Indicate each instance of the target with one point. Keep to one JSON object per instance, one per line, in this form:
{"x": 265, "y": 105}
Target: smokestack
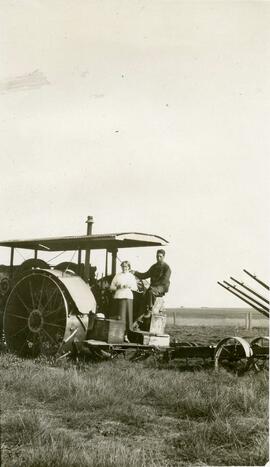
{"x": 89, "y": 221}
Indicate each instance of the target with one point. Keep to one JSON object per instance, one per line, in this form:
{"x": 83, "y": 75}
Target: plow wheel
{"x": 233, "y": 353}
{"x": 260, "y": 358}
{"x": 36, "y": 315}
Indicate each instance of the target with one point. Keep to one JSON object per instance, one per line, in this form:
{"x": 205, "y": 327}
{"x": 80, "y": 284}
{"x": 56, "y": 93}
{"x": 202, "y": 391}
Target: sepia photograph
{"x": 134, "y": 240}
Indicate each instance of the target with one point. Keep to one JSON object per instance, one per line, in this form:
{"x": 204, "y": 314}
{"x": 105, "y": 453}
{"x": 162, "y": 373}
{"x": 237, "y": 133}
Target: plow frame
{"x": 230, "y": 349}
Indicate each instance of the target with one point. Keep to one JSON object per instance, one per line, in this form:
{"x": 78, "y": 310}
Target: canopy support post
{"x": 114, "y": 257}
{"x": 11, "y": 261}
{"x": 106, "y": 263}
{"x": 80, "y": 261}
{"x": 90, "y": 223}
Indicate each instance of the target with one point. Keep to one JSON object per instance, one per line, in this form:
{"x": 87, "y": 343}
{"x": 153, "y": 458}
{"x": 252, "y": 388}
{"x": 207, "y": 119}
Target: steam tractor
{"x": 65, "y": 310}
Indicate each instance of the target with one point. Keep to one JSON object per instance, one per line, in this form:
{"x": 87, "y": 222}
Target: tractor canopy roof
{"x": 109, "y": 242}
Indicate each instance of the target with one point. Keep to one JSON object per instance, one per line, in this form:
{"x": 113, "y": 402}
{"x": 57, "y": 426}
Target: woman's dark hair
{"x": 126, "y": 263}
{"x": 161, "y": 251}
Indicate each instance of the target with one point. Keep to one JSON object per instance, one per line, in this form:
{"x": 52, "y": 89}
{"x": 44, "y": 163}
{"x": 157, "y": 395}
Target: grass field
{"x": 119, "y": 414}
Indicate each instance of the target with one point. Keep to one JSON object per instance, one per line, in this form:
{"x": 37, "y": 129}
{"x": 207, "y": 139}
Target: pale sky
{"x": 152, "y": 116}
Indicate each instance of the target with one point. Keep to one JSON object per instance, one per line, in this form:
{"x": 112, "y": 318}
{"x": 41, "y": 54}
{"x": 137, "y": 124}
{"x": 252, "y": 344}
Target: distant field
{"x": 121, "y": 414}
{"x": 214, "y": 317}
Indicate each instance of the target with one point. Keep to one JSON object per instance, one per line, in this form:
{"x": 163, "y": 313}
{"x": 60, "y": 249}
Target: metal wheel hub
{"x": 35, "y": 321}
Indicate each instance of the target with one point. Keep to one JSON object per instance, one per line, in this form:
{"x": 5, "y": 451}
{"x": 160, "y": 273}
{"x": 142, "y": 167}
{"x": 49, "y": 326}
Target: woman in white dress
{"x": 123, "y": 284}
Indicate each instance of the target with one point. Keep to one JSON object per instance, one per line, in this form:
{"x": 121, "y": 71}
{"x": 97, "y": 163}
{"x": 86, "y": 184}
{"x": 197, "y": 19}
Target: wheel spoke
{"x": 32, "y": 295}
{"x": 35, "y": 337}
{"x": 18, "y": 316}
{"x": 24, "y": 344}
{"x": 37, "y": 341}
{"x": 55, "y": 301}
{"x": 54, "y": 325}
{"x": 21, "y": 330}
{"x": 22, "y": 302}
{"x": 53, "y": 311}
{"x": 41, "y": 293}
{"x": 226, "y": 350}
{"x": 50, "y": 337}
{"x": 50, "y": 299}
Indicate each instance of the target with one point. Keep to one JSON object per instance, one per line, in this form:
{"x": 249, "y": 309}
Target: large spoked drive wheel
{"x": 35, "y": 316}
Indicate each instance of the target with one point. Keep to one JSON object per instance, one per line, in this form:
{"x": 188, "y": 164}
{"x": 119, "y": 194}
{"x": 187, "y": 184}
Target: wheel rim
{"x": 35, "y": 316}
{"x": 260, "y": 363}
{"x": 233, "y": 353}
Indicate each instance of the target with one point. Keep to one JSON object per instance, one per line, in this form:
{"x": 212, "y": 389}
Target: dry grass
{"x": 118, "y": 414}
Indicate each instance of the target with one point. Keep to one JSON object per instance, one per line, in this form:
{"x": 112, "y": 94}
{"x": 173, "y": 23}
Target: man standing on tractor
{"x": 159, "y": 274}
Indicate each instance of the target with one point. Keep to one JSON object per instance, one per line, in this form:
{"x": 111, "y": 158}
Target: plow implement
{"x": 261, "y": 305}
{"x": 233, "y": 353}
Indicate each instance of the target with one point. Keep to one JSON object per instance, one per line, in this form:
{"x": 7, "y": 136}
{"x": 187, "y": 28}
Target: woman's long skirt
{"x": 124, "y": 311}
